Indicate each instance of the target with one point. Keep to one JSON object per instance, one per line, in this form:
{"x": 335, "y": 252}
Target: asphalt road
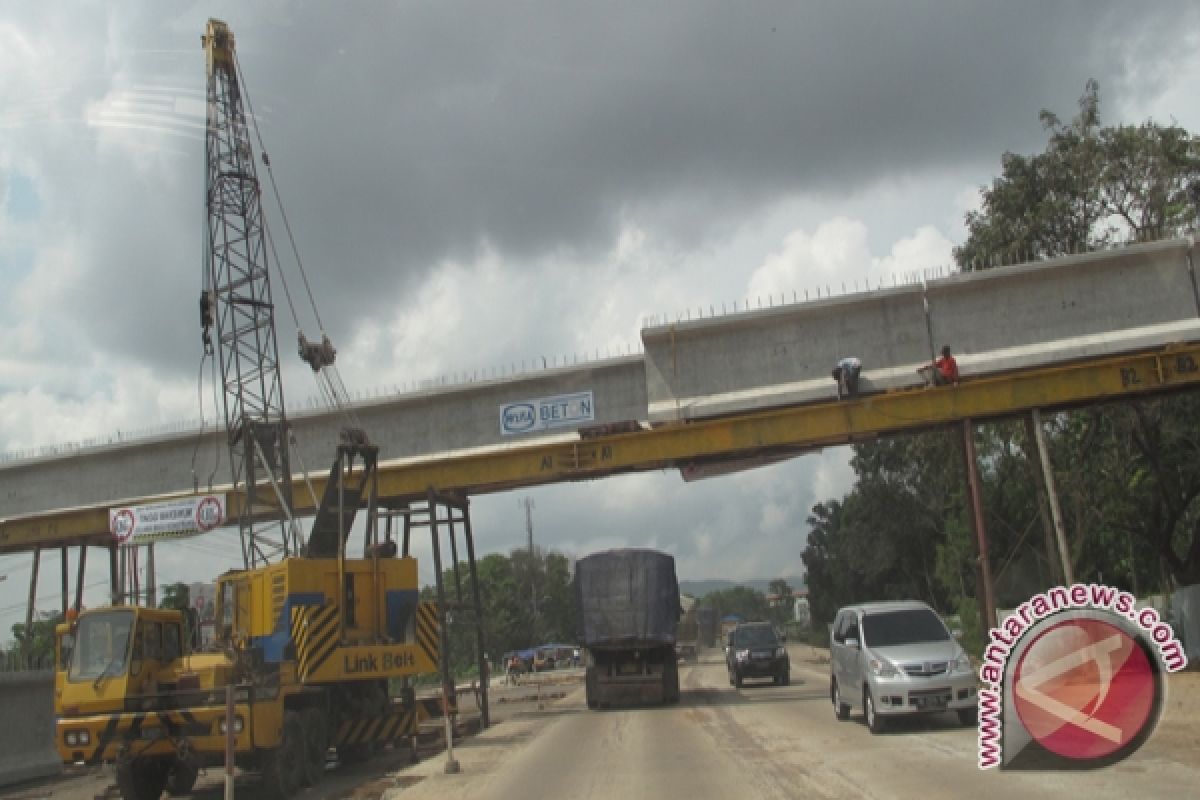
{"x": 757, "y": 742}
{"x": 761, "y": 741}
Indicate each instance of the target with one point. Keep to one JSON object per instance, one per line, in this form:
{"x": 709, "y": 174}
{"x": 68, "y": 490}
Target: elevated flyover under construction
{"x": 708, "y": 394}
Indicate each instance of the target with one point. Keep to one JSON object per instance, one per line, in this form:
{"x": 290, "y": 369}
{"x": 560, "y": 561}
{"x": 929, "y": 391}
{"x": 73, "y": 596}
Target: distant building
{"x": 800, "y": 609}
{"x": 203, "y": 597}
{"x": 798, "y": 602}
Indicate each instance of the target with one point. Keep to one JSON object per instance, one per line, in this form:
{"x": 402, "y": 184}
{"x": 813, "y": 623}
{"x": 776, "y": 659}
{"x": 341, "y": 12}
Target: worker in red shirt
{"x": 945, "y": 368}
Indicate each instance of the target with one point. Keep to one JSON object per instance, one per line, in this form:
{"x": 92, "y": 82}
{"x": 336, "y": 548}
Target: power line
{"x": 42, "y": 598}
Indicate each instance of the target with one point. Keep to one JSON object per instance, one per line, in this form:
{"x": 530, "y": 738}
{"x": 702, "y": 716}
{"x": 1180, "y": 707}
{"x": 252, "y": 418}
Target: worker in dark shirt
{"x": 846, "y": 374}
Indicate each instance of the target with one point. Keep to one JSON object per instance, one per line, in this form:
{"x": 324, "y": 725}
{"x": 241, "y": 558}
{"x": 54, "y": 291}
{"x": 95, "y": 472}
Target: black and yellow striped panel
{"x": 429, "y": 630}
{"x": 431, "y": 708}
{"x": 315, "y": 634}
{"x": 128, "y": 727}
{"x": 377, "y": 729}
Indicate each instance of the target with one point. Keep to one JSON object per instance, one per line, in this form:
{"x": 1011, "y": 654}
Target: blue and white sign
{"x": 545, "y": 413}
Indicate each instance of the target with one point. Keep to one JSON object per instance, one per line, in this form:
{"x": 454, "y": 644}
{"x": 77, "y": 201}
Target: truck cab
{"x": 112, "y": 660}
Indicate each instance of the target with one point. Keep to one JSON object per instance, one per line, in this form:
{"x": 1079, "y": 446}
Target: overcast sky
{"x": 476, "y": 184}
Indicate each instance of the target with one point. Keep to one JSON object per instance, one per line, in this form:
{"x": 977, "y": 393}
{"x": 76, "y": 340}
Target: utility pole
{"x": 1052, "y": 495}
{"x": 527, "y": 504}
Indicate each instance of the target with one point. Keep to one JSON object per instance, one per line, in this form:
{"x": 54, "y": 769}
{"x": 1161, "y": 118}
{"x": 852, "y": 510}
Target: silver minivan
{"x": 894, "y": 659}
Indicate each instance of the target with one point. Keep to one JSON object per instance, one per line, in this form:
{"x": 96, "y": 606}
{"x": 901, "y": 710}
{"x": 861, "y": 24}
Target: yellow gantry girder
{"x": 778, "y": 431}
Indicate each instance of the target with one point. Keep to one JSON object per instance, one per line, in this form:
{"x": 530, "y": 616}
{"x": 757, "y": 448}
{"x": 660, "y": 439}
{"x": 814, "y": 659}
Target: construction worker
{"x": 945, "y": 369}
{"x": 846, "y": 374}
{"x": 513, "y": 670}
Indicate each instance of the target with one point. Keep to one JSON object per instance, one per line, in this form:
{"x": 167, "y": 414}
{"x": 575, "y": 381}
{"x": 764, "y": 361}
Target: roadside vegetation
{"x": 1128, "y": 474}
{"x": 528, "y": 599}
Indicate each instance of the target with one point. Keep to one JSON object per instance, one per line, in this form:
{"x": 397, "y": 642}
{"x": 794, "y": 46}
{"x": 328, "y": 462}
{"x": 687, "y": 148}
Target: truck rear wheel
{"x": 353, "y": 753}
{"x": 182, "y": 777}
{"x": 283, "y": 766}
{"x": 671, "y": 682}
{"x": 142, "y": 778}
{"x": 316, "y": 742}
{"x": 589, "y": 683}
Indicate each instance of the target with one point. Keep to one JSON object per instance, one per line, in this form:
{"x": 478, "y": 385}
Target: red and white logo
{"x": 1084, "y": 689}
{"x": 209, "y": 514}
{"x": 121, "y": 524}
{"x": 1074, "y": 678}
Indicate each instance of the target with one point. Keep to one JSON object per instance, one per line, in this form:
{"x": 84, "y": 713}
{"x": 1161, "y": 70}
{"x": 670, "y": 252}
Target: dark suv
{"x": 756, "y": 651}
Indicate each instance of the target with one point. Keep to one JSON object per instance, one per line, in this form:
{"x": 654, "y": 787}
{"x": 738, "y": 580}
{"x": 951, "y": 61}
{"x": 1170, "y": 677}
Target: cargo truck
{"x": 629, "y": 610}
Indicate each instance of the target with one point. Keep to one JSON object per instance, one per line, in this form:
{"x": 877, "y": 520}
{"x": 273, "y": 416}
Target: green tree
{"x": 1092, "y": 187}
{"x": 176, "y": 596}
{"x": 509, "y": 588}
{"x": 750, "y": 604}
{"x": 1128, "y": 473}
{"x": 824, "y": 564}
{"x": 37, "y": 647}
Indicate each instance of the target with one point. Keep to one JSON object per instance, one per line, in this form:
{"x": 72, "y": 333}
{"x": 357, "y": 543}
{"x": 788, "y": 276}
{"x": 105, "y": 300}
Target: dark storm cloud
{"x": 403, "y": 135}
{"x": 412, "y": 134}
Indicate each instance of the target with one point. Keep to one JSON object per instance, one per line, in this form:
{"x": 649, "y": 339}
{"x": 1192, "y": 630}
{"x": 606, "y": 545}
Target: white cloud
{"x": 836, "y": 258}
{"x": 926, "y": 250}
{"x": 835, "y": 252}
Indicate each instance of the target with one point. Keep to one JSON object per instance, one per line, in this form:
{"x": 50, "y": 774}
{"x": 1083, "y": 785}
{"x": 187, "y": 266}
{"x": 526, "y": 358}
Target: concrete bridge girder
{"x": 1065, "y": 332}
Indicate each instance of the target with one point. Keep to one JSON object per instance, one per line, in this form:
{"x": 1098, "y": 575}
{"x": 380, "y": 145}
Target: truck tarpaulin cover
{"x": 627, "y": 597}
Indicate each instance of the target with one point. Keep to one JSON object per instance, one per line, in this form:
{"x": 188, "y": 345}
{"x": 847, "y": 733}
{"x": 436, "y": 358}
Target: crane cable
{"x": 208, "y": 354}
{"x": 332, "y": 388}
{"x": 262, "y": 148}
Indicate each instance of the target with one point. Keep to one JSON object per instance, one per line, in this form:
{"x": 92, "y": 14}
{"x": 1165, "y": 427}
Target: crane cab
{"x": 115, "y": 657}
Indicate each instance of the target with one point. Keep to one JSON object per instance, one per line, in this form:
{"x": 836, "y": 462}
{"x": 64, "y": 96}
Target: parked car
{"x": 897, "y": 659}
{"x": 756, "y": 650}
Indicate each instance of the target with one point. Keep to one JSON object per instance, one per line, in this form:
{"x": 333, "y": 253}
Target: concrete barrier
{"x": 27, "y": 733}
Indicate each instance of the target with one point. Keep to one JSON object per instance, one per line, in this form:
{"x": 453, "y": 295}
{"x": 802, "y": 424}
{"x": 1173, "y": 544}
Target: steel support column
{"x": 114, "y": 575}
{"x": 79, "y": 577}
{"x": 27, "y": 640}
{"x": 484, "y": 672}
{"x": 64, "y": 566}
{"x": 447, "y": 680}
{"x": 975, "y": 497}
{"x": 151, "y": 577}
{"x": 1052, "y": 496}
